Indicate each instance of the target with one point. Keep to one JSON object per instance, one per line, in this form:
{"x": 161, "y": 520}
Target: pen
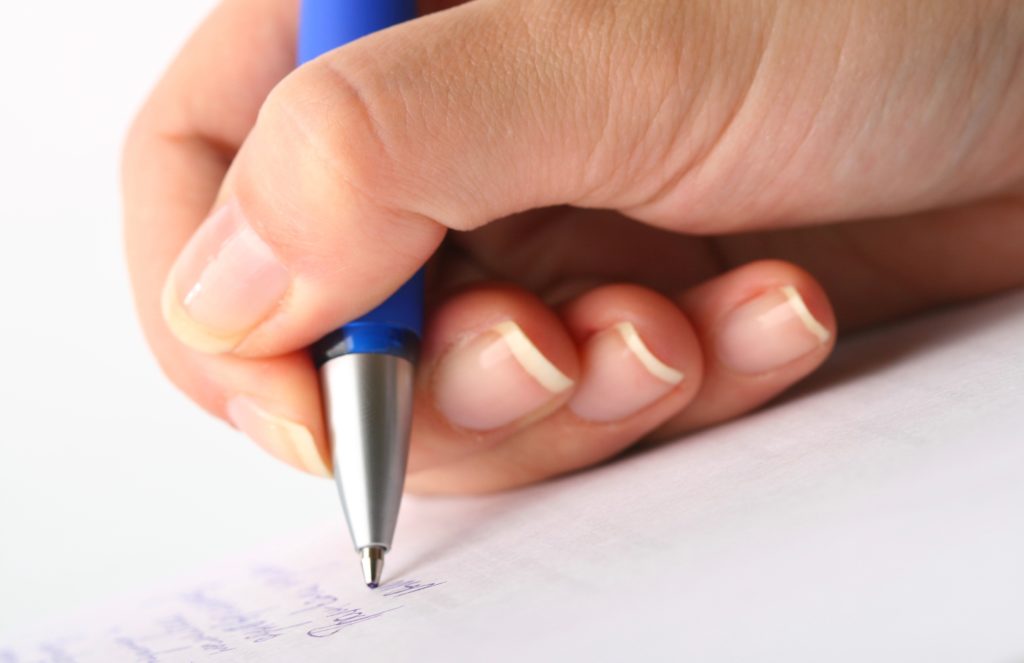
{"x": 366, "y": 366}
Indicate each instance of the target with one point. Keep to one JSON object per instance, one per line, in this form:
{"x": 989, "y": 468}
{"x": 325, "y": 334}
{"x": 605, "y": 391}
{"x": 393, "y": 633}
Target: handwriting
{"x": 229, "y": 618}
{"x": 178, "y": 625}
{"x": 343, "y": 618}
{"x": 141, "y": 653}
{"x": 403, "y": 587}
{"x": 265, "y": 606}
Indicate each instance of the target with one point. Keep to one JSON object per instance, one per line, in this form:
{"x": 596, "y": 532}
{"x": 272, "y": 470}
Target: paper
{"x": 877, "y": 514}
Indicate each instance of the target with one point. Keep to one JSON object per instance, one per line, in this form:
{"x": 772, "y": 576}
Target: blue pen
{"x": 366, "y": 367}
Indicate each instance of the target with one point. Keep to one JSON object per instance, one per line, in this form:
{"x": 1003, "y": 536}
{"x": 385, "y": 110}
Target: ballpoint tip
{"x": 373, "y": 565}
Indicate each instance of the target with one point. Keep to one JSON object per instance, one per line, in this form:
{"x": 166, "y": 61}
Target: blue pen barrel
{"x": 393, "y": 328}
{"x": 402, "y": 309}
{"x": 396, "y": 325}
{"x": 328, "y": 24}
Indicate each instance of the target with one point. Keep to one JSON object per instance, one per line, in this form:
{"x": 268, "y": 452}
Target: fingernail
{"x": 282, "y": 438}
{"x": 224, "y": 283}
{"x": 621, "y": 376}
{"x": 768, "y": 332}
{"x": 495, "y": 379}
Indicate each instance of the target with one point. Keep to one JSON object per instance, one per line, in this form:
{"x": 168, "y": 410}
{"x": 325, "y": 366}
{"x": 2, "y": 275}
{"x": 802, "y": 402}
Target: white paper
{"x": 875, "y": 515}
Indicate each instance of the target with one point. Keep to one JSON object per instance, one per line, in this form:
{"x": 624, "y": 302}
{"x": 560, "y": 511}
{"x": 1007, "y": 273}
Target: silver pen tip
{"x": 373, "y": 564}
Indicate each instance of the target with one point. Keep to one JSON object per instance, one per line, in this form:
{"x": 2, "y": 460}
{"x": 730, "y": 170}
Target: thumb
{"x": 361, "y": 160}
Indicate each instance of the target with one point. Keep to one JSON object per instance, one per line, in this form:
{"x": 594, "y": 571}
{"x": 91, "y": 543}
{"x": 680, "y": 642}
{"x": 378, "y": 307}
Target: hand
{"x": 659, "y": 169}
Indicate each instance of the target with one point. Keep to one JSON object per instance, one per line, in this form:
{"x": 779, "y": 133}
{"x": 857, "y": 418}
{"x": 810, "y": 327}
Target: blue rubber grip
{"x": 324, "y": 25}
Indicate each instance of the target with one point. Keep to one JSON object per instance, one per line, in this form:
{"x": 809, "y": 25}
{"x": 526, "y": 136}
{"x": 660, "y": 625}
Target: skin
{"x": 868, "y": 153}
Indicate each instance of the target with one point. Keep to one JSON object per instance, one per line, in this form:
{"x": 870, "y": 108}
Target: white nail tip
{"x": 305, "y": 449}
{"x": 799, "y": 307}
{"x": 531, "y": 359}
{"x": 299, "y": 439}
{"x": 284, "y": 439}
{"x": 654, "y": 366}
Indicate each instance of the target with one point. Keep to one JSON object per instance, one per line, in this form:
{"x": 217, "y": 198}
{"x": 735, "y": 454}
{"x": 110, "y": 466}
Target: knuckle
{"x": 323, "y": 166}
{"x": 328, "y": 126}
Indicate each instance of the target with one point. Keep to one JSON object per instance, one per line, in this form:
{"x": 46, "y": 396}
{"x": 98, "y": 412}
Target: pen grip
{"x": 394, "y": 327}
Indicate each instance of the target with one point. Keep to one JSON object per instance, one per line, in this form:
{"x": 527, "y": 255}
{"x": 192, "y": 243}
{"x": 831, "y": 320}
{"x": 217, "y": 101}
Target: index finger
{"x": 189, "y": 129}
{"x": 175, "y": 159}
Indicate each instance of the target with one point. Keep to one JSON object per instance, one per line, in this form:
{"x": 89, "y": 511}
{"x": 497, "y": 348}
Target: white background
{"x": 108, "y": 477}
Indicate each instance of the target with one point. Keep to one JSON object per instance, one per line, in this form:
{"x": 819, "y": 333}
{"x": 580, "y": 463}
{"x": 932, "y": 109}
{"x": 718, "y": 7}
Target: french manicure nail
{"x": 224, "y": 283}
{"x": 282, "y": 438}
{"x": 768, "y": 332}
{"x": 621, "y": 376}
{"x": 495, "y": 379}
